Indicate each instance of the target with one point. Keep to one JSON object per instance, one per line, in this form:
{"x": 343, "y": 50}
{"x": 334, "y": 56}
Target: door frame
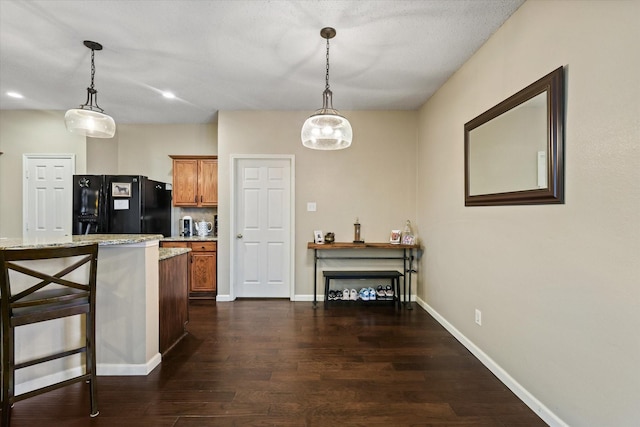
{"x": 26, "y": 158}
{"x": 235, "y": 159}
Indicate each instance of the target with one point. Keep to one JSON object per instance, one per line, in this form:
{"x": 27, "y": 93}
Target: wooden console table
{"x": 407, "y": 257}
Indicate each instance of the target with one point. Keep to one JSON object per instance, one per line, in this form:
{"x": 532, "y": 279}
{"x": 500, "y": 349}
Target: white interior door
{"x": 47, "y": 195}
{"x": 262, "y": 229}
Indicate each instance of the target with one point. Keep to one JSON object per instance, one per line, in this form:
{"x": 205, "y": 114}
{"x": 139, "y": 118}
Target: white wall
{"x": 558, "y": 285}
{"x": 373, "y": 180}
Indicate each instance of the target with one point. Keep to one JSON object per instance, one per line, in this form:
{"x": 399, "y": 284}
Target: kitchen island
{"x": 127, "y": 312}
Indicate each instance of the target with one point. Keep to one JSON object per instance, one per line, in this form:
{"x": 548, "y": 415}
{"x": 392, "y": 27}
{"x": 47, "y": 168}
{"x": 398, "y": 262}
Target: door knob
{"x": 239, "y": 236}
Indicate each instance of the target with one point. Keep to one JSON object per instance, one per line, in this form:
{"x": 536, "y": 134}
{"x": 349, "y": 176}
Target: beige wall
{"x": 141, "y": 149}
{"x": 373, "y": 180}
{"x": 144, "y": 149}
{"x": 558, "y": 285}
{"x": 154, "y": 143}
{"x": 29, "y": 132}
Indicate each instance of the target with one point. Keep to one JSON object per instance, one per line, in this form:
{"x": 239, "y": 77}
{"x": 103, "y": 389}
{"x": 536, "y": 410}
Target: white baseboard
{"x": 536, "y": 406}
{"x": 297, "y": 297}
{"x": 107, "y": 369}
{"x": 308, "y": 297}
{"x": 102, "y": 369}
{"x": 227, "y": 298}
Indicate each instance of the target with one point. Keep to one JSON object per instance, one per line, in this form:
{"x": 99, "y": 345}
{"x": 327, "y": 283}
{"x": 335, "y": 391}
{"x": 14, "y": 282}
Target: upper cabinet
{"x": 195, "y": 181}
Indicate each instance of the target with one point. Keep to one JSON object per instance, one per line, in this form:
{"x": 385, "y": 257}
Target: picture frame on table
{"x": 408, "y": 239}
{"x": 318, "y": 237}
{"x": 395, "y": 237}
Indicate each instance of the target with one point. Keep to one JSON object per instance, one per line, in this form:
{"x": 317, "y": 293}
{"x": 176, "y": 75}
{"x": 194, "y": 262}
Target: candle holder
{"x": 356, "y": 232}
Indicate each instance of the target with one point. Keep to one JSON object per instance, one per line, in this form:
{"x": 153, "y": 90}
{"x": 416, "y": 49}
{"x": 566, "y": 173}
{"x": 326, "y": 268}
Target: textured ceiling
{"x": 236, "y": 55}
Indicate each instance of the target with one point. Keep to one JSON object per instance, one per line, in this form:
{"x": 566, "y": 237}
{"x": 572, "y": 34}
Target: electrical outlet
{"x": 478, "y": 317}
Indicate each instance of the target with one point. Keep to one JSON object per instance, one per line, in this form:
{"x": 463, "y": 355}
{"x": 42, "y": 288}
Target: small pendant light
{"x": 327, "y": 129}
{"x": 89, "y": 119}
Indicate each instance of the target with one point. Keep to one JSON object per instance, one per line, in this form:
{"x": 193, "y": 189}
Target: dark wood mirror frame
{"x": 553, "y": 85}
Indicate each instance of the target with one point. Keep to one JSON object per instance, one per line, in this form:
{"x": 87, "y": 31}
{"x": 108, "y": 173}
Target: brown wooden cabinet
{"x": 202, "y": 266}
{"x": 195, "y": 180}
{"x": 173, "y": 301}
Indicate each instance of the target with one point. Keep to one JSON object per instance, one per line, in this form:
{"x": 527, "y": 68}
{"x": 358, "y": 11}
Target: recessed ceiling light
{"x": 15, "y": 95}
{"x": 168, "y": 95}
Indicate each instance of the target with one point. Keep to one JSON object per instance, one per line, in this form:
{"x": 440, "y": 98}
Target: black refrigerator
{"x": 120, "y": 204}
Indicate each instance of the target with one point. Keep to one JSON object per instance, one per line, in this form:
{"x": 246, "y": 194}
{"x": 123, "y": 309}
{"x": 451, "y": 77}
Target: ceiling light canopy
{"x": 89, "y": 119}
{"x": 327, "y": 129}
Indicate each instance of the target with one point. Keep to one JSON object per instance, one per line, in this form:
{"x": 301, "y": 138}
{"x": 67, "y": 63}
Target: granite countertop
{"x": 166, "y": 253}
{"x": 190, "y": 239}
{"x": 71, "y": 241}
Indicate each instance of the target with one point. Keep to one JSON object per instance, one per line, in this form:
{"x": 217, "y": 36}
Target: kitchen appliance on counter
{"x": 186, "y": 225}
{"x": 203, "y": 228}
{"x": 121, "y": 204}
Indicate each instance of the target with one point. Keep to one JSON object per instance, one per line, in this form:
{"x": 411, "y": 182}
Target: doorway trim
{"x": 235, "y": 159}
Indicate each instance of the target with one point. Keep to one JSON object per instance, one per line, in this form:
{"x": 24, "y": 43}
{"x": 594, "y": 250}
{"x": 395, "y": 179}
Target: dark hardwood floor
{"x": 278, "y": 363}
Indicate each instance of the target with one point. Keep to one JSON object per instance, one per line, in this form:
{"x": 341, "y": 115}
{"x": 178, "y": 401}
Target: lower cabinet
{"x": 202, "y": 266}
{"x": 203, "y": 269}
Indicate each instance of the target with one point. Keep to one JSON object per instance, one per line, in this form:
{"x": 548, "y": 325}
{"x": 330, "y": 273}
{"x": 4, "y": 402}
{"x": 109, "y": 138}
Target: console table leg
{"x": 315, "y": 277}
{"x": 409, "y": 273}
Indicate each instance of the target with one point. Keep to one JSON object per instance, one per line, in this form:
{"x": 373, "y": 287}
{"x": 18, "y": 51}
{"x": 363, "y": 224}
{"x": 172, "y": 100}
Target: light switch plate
{"x": 311, "y": 206}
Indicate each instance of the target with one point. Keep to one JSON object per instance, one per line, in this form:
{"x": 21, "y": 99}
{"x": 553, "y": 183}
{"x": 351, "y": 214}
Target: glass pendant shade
{"x": 326, "y": 132}
{"x": 90, "y": 123}
{"x": 327, "y": 129}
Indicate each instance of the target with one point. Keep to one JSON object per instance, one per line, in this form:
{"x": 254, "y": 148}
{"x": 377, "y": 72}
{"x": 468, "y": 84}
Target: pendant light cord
{"x": 92, "y": 93}
{"x": 93, "y": 69}
{"x": 327, "y": 75}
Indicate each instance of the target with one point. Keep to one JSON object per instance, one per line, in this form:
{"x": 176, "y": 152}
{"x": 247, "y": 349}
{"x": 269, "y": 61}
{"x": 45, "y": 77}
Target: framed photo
{"x": 408, "y": 239}
{"x": 395, "y": 237}
{"x": 121, "y": 189}
{"x": 318, "y": 237}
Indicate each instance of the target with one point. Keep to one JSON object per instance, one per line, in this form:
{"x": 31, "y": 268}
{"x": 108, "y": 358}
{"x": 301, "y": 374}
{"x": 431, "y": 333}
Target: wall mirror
{"x": 514, "y": 152}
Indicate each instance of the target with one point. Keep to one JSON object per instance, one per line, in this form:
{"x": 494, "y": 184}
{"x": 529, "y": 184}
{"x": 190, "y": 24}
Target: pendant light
{"x": 89, "y": 119}
{"x": 327, "y": 129}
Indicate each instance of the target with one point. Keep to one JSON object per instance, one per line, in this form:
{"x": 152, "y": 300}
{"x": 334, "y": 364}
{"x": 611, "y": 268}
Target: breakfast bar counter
{"x": 127, "y": 310}
{"x": 72, "y": 241}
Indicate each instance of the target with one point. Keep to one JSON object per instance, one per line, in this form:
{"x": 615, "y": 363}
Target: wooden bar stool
{"x": 29, "y": 295}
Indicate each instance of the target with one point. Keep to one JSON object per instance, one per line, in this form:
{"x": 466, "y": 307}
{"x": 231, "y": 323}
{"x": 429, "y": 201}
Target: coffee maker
{"x": 186, "y": 223}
